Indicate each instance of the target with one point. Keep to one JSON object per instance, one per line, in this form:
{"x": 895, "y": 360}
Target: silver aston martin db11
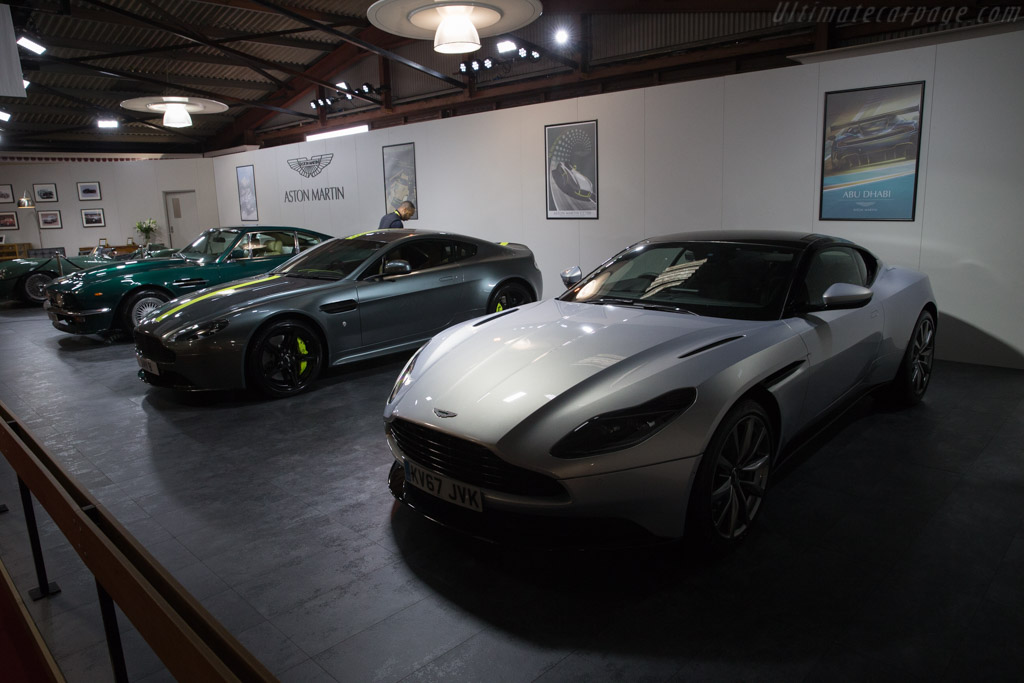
{"x": 656, "y": 394}
{"x": 344, "y": 300}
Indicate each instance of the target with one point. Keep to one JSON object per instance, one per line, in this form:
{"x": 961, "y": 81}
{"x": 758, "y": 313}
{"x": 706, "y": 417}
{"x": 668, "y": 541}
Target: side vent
{"x": 779, "y": 376}
{"x": 711, "y": 346}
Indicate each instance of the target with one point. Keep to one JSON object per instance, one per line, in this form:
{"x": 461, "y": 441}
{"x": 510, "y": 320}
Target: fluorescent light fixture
{"x": 4, "y": 116}
{"x": 30, "y": 45}
{"x": 107, "y": 123}
{"x": 338, "y": 133}
{"x": 506, "y": 46}
{"x": 561, "y": 36}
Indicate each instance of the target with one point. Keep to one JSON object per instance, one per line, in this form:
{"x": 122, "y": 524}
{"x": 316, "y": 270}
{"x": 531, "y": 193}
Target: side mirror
{"x": 570, "y": 276}
{"x": 844, "y": 295}
{"x": 397, "y": 267}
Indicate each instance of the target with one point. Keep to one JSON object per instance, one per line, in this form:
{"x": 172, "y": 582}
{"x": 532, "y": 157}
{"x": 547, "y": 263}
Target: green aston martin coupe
{"x": 26, "y": 278}
{"x": 115, "y": 298}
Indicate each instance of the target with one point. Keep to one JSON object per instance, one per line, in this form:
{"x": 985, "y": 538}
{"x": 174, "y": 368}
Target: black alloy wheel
{"x": 915, "y": 372}
{"x": 285, "y": 358}
{"x": 508, "y": 295}
{"x": 732, "y": 477}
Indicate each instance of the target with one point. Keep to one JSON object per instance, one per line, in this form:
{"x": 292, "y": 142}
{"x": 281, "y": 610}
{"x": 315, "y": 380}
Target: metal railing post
{"x": 46, "y": 587}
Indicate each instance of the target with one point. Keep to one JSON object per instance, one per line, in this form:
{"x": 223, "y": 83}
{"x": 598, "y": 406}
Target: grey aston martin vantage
{"x": 656, "y": 394}
{"x": 344, "y": 300}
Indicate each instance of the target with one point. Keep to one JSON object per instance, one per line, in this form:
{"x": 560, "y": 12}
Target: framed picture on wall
{"x": 869, "y": 159}
{"x": 8, "y": 220}
{"x": 246, "y": 177}
{"x": 93, "y": 218}
{"x": 400, "y": 176}
{"x": 570, "y": 170}
{"x": 49, "y": 219}
{"x": 89, "y": 191}
{"x": 6, "y": 194}
{"x": 45, "y": 192}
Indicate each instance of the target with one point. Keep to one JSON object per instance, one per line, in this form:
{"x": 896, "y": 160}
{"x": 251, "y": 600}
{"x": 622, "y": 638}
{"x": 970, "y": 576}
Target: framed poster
{"x": 400, "y": 176}
{"x": 93, "y": 218}
{"x": 49, "y": 219}
{"x": 89, "y": 191}
{"x": 45, "y": 192}
{"x": 246, "y": 177}
{"x": 869, "y": 158}
{"x": 6, "y": 194}
{"x": 8, "y": 220}
{"x": 570, "y": 160}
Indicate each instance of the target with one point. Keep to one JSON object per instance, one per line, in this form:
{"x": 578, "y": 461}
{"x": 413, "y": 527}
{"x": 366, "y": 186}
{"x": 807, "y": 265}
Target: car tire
{"x": 732, "y": 478}
{"x": 915, "y": 371}
{"x": 138, "y": 305}
{"x": 32, "y": 287}
{"x": 508, "y": 295}
{"x": 284, "y": 358}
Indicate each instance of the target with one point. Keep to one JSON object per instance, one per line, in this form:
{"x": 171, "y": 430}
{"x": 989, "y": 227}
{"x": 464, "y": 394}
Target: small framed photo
{"x": 93, "y": 218}
{"x": 49, "y": 219}
{"x": 45, "y": 192}
{"x": 6, "y": 194}
{"x": 89, "y": 191}
{"x": 8, "y": 220}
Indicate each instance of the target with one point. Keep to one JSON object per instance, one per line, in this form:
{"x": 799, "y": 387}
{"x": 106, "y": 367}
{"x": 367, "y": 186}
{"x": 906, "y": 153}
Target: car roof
{"x": 792, "y": 239}
{"x": 264, "y": 228}
{"x": 389, "y": 235}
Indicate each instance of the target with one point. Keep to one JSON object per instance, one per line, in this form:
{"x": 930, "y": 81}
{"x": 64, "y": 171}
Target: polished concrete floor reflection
{"x": 892, "y": 548}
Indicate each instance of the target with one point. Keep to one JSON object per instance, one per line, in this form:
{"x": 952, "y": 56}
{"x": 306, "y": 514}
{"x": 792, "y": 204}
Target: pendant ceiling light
{"x": 177, "y": 111}
{"x": 25, "y": 202}
{"x": 456, "y": 26}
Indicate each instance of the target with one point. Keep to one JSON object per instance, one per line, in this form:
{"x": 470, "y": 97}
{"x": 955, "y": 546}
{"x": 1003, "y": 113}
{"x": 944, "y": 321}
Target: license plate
{"x": 444, "y": 488}
{"x": 148, "y": 365}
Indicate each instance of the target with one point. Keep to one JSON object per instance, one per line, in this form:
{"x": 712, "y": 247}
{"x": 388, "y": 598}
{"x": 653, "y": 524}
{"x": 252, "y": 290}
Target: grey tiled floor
{"x": 891, "y": 549}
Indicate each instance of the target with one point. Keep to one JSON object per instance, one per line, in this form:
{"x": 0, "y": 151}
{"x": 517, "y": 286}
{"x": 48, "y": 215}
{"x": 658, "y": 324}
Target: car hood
{"x": 229, "y": 298}
{"x": 494, "y": 372}
{"x": 120, "y": 269}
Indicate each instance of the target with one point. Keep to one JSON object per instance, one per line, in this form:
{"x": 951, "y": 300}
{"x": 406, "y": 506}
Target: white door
{"x": 182, "y": 218}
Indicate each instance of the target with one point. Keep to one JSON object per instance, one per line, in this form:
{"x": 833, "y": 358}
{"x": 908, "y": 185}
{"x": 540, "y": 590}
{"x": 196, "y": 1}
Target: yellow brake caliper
{"x": 499, "y": 308}
{"x": 302, "y": 350}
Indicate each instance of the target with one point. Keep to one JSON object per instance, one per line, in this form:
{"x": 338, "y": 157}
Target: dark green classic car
{"x": 116, "y": 297}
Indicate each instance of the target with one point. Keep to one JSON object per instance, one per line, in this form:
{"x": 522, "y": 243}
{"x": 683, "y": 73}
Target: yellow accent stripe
{"x": 504, "y": 244}
{"x": 352, "y": 237}
{"x": 215, "y": 293}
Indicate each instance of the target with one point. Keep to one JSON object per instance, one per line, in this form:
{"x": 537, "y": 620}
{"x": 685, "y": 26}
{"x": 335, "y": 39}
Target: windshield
{"x": 722, "y": 279}
{"x": 333, "y": 259}
{"x": 210, "y": 243}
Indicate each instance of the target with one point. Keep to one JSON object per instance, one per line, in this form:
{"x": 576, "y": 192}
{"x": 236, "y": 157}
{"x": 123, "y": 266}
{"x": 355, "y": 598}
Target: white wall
{"x": 130, "y": 191}
{"x": 736, "y": 152}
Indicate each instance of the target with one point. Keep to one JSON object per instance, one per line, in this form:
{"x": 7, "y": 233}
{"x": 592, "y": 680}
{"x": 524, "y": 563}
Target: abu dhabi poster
{"x": 571, "y": 169}
{"x": 872, "y": 138}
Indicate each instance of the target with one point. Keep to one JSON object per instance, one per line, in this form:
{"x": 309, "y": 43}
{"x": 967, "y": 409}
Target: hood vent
{"x": 494, "y": 317}
{"x": 710, "y": 346}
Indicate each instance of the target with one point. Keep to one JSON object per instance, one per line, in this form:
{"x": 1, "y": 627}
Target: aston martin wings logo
{"x": 444, "y": 413}
{"x": 310, "y": 167}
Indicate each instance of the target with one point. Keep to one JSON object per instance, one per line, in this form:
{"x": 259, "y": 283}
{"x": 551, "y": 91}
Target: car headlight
{"x": 5, "y": 273}
{"x": 403, "y": 377}
{"x": 200, "y": 330}
{"x": 622, "y": 429}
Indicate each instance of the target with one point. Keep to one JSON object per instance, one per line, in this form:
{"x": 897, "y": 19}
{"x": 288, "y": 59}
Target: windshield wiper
{"x": 647, "y": 305}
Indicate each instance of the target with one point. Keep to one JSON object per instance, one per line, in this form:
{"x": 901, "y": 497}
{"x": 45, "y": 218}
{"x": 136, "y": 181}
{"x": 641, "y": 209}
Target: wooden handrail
{"x": 192, "y": 644}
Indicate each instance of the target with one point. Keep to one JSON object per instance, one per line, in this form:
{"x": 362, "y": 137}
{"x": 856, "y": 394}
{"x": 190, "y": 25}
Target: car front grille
{"x": 468, "y": 462}
{"x": 152, "y": 348}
